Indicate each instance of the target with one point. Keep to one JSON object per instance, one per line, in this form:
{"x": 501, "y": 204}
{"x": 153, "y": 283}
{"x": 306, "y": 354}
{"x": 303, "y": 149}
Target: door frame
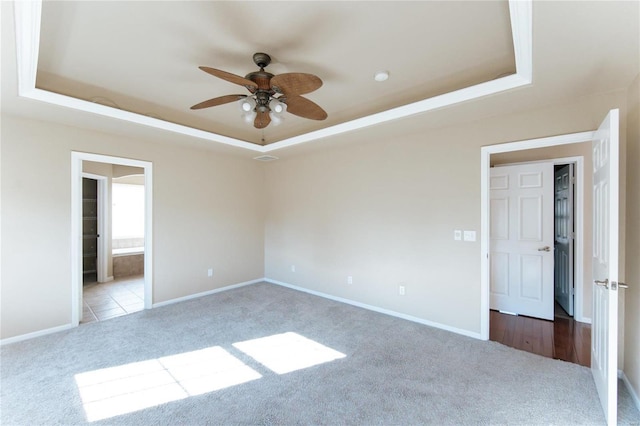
{"x": 76, "y": 226}
{"x": 485, "y": 163}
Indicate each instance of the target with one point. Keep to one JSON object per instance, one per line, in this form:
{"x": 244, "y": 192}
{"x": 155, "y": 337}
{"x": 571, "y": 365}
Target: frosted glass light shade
{"x": 247, "y": 104}
{"x": 249, "y": 117}
{"x": 276, "y": 119}
{"x": 277, "y": 107}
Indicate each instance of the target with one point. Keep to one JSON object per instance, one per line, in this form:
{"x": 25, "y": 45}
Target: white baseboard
{"x": 206, "y": 293}
{"x": 168, "y": 302}
{"x": 108, "y": 279}
{"x": 379, "y": 310}
{"x": 38, "y": 333}
{"x": 584, "y": 320}
{"x": 632, "y": 391}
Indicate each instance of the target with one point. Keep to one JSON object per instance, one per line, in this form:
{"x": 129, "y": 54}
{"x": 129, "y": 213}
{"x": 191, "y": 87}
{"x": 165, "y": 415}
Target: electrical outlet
{"x": 293, "y": 268}
{"x": 210, "y": 272}
{"x": 401, "y": 290}
{"x": 469, "y": 235}
{"x": 349, "y": 280}
{"x": 457, "y": 235}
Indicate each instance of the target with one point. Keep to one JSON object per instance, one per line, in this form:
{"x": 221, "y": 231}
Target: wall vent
{"x": 265, "y": 158}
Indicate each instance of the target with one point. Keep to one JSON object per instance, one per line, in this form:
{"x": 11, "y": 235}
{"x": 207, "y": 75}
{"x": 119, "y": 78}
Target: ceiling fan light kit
{"x": 271, "y": 96}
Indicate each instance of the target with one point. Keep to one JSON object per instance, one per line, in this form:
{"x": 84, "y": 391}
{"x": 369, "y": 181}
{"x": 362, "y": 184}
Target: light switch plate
{"x": 457, "y": 235}
{"x": 469, "y": 235}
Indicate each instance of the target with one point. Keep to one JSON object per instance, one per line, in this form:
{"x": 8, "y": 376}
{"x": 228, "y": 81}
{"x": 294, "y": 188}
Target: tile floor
{"x": 102, "y": 301}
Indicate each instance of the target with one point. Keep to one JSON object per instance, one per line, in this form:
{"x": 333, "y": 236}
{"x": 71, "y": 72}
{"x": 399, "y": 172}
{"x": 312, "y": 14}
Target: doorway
{"x": 565, "y": 225}
{"x": 103, "y": 256}
{"x": 546, "y": 289}
{"x": 579, "y": 277}
{"x": 122, "y": 292}
{"x": 558, "y": 335}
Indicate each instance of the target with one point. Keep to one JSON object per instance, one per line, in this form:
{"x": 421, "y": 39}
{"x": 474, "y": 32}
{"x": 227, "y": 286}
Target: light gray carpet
{"x": 395, "y": 372}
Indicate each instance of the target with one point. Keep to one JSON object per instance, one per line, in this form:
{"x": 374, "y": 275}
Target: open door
{"x": 564, "y": 238}
{"x": 604, "y": 339}
{"x": 521, "y": 239}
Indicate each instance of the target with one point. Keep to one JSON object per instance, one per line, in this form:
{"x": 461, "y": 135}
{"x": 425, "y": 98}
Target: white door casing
{"x": 604, "y": 339}
{"x": 564, "y": 238}
{"x": 76, "y": 226}
{"x": 521, "y": 239}
{"x": 486, "y": 153}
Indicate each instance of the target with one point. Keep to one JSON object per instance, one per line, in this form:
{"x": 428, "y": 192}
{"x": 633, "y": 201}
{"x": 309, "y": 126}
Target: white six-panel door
{"x": 604, "y": 338}
{"x": 521, "y": 239}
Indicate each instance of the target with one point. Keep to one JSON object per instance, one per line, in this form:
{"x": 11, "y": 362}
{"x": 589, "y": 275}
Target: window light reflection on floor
{"x": 114, "y": 391}
{"x": 287, "y": 352}
{"x": 131, "y": 387}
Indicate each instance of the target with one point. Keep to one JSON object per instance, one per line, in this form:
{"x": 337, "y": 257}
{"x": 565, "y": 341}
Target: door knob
{"x": 604, "y": 283}
{"x": 545, "y": 248}
{"x": 623, "y": 285}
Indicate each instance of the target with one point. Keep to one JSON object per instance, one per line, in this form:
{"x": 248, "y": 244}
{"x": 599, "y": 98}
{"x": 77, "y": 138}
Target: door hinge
{"x": 573, "y": 179}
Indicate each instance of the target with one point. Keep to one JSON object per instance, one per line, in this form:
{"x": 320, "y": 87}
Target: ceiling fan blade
{"x": 218, "y": 101}
{"x": 232, "y": 78}
{"x": 303, "y": 107}
{"x": 262, "y": 120}
{"x": 295, "y": 83}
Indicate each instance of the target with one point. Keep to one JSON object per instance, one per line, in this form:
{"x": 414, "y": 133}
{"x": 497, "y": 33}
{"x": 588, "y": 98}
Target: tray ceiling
{"x": 143, "y": 57}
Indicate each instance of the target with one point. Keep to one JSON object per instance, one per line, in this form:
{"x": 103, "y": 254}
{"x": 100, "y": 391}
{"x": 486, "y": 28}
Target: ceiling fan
{"x": 271, "y": 95}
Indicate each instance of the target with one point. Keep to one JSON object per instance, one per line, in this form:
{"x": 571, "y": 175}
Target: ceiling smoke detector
{"x": 381, "y": 76}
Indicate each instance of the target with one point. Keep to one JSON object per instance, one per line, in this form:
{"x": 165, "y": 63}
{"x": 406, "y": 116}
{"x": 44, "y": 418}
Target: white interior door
{"x": 521, "y": 239}
{"x": 604, "y": 339}
{"x": 564, "y": 237}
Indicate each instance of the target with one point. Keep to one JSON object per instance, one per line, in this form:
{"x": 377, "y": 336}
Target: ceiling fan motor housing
{"x": 261, "y": 59}
{"x": 262, "y": 101}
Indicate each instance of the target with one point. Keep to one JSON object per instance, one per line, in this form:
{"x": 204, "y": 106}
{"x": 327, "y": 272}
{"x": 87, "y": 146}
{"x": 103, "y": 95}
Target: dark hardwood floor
{"x": 564, "y": 338}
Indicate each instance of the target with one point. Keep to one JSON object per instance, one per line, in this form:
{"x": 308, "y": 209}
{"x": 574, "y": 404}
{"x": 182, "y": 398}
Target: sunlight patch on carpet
{"x": 287, "y": 352}
{"x": 110, "y": 392}
{"x": 131, "y": 387}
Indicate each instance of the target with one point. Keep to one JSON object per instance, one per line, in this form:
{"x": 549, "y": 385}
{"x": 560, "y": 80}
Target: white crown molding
{"x": 27, "y": 22}
{"x": 468, "y": 93}
{"x": 521, "y": 13}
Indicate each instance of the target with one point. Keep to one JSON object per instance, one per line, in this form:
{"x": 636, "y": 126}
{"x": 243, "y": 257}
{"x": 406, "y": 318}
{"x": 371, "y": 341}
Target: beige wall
{"x": 383, "y": 211}
{"x": 120, "y": 171}
{"x": 379, "y": 209}
{"x": 207, "y": 212}
{"x": 564, "y": 151}
{"x": 632, "y": 270}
